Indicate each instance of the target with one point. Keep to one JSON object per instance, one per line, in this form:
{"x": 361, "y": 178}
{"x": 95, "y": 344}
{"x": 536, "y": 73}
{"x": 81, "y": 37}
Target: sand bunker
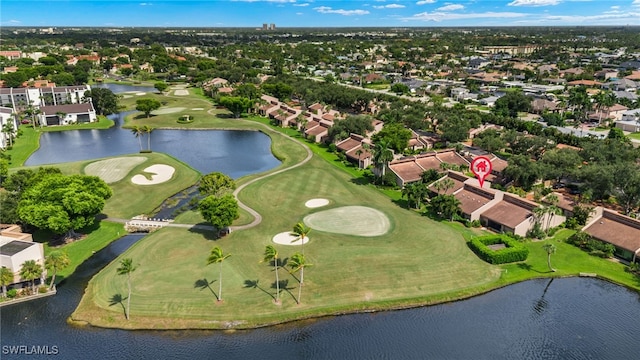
{"x": 140, "y": 93}
{"x": 160, "y": 173}
{"x": 350, "y": 220}
{"x": 315, "y": 203}
{"x": 113, "y": 170}
{"x": 197, "y": 109}
{"x": 169, "y": 110}
{"x": 286, "y": 238}
{"x": 181, "y": 92}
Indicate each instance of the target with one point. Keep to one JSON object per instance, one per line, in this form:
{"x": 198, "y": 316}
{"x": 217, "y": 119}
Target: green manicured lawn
{"x": 635, "y": 136}
{"x": 24, "y": 145}
{"x": 102, "y": 123}
{"x": 418, "y": 261}
{"x": 98, "y": 236}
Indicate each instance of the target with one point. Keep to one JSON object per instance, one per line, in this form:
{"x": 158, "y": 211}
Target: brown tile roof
{"x": 451, "y": 157}
{"x": 619, "y": 230}
{"x": 564, "y": 202}
{"x": 457, "y": 184}
{"x": 67, "y": 109}
{"x": 408, "y": 171}
{"x": 507, "y": 213}
{"x": 584, "y": 82}
{"x": 429, "y": 162}
{"x": 352, "y": 153}
{"x": 471, "y": 201}
{"x": 498, "y": 165}
{"x": 349, "y": 143}
{"x": 317, "y": 130}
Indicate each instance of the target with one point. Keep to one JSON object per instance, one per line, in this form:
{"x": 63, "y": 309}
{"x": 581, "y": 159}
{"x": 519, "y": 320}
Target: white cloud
{"x": 450, "y": 7}
{"x": 615, "y": 7}
{"x": 636, "y": 2}
{"x": 444, "y": 16}
{"x": 329, "y": 10}
{"x": 573, "y": 19}
{"x": 299, "y": 13}
{"x": 423, "y": 2}
{"x": 146, "y": 4}
{"x": 390, "y": 6}
{"x": 12, "y": 21}
{"x": 303, "y": 4}
{"x": 534, "y": 2}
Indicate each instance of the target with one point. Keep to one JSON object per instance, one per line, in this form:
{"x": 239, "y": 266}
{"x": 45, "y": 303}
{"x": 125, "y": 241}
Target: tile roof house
{"x": 621, "y": 231}
{"x": 67, "y": 114}
{"x": 410, "y": 169}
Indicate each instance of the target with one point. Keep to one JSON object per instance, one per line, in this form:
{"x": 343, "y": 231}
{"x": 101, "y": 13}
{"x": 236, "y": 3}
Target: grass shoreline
{"x": 289, "y": 154}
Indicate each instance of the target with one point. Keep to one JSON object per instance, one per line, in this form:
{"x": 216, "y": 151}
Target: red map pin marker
{"x": 481, "y": 167}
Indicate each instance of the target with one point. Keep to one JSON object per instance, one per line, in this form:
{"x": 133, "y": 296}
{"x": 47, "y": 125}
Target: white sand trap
{"x": 181, "y": 92}
{"x": 316, "y": 203}
{"x": 113, "y": 170}
{"x": 350, "y": 220}
{"x": 286, "y": 238}
{"x": 169, "y": 110}
{"x": 127, "y": 96}
{"x": 160, "y": 173}
{"x": 140, "y": 93}
{"x": 197, "y": 109}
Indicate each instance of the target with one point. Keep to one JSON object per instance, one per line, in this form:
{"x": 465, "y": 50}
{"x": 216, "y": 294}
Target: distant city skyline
{"x": 318, "y": 13}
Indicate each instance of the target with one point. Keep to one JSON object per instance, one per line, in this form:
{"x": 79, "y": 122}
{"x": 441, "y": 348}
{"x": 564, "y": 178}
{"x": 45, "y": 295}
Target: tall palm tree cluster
{"x": 139, "y": 131}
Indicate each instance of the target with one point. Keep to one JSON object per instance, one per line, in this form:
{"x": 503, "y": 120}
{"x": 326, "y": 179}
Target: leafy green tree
{"x": 216, "y": 183}
{"x": 161, "y": 86}
{"x": 455, "y": 129}
{"x": 237, "y": 105}
{"x": 15, "y": 79}
{"x": 271, "y": 254}
{"x": 219, "y": 211}
{"x": 617, "y": 134}
{"x": 126, "y": 268}
{"x": 512, "y": 103}
{"x": 396, "y": 135}
{"x": 298, "y": 263}
{"x": 447, "y": 206}
{"x": 147, "y": 105}
{"x": 55, "y": 262}
{"x": 549, "y": 248}
{"x": 399, "y": 88}
{"x": 523, "y": 171}
{"x": 6, "y": 278}
{"x": 64, "y": 203}
{"x": 217, "y": 257}
{"x": 31, "y": 271}
{"x": 358, "y": 124}
{"x": 104, "y": 100}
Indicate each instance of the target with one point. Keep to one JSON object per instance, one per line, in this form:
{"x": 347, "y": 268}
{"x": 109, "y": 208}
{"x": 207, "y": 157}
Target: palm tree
{"x": 217, "y": 256}
{"x": 271, "y": 254}
{"x": 137, "y": 132}
{"x": 550, "y": 249}
{"x": 300, "y": 231}
{"x": 444, "y": 185}
{"x": 382, "y": 154}
{"x": 7, "y": 129}
{"x": 61, "y": 115}
{"x": 56, "y": 261}
{"x": 604, "y": 99}
{"x": 148, "y": 130}
{"x": 552, "y": 209}
{"x": 30, "y": 271}
{"x": 6, "y": 278}
{"x": 126, "y": 268}
{"x": 298, "y": 263}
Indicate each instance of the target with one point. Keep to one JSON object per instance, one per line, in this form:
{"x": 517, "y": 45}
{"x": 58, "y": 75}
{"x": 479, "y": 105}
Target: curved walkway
{"x": 257, "y": 218}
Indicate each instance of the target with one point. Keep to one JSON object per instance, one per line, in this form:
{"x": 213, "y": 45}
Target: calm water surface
{"x": 575, "y": 318}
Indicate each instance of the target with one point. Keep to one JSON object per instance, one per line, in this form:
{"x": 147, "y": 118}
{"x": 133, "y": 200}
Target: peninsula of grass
{"x": 102, "y": 123}
{"x": 24, "y": 145}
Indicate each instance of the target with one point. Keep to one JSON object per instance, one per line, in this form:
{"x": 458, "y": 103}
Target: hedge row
{"x": 514, "y": 251}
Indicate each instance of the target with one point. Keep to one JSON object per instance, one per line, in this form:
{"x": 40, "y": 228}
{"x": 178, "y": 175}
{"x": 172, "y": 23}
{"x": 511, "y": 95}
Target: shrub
{"x": 12, "y": 293}
{"x": 185, "y": 119}
{"x": 43, "y": 289}
{"x": 594, "y": 247}
{"x": 514, "y": 250}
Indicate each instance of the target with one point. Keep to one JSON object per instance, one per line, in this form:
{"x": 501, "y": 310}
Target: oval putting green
{"x": 350, "y": 220}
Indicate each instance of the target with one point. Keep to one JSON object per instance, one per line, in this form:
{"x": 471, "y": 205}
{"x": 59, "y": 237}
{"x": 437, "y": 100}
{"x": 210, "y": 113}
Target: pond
{"x": 572, "y": 318}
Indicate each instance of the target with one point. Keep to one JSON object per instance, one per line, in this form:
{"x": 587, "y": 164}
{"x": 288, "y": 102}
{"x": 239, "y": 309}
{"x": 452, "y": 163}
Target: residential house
{"x": 630, "y": 121}
{"x": 6, "y": 117}
{"x": 357, "y": 149}
{"x": 621, "y": 231}
{"x": 633, "y": 65}
{"x": 16, "y": 248}
{"x": 410, "y": 169}
{"x": 67, "y": 114}
{"x": 614, "y": 113}
{"x": 538, "y": 106}
{"x": 625, "y": 95}
{"x": 19, "y": 98}
{"x": 624, "y": 85}
{"x": 11, "y": 54}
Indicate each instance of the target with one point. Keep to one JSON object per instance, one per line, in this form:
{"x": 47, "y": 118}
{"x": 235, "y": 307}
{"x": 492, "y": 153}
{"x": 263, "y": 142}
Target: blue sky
{"x": 318, "y": 13}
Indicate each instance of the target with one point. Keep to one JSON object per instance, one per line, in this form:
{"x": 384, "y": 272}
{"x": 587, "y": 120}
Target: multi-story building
{"x": 16, "y": 248}
{"x": 19, "y": 98}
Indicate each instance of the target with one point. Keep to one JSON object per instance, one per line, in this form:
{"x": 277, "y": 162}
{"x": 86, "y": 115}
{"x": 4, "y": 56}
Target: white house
{"x": 6, "y": 117}
{"x": 16, "y": 248}
{"x": 67, "y": 114}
